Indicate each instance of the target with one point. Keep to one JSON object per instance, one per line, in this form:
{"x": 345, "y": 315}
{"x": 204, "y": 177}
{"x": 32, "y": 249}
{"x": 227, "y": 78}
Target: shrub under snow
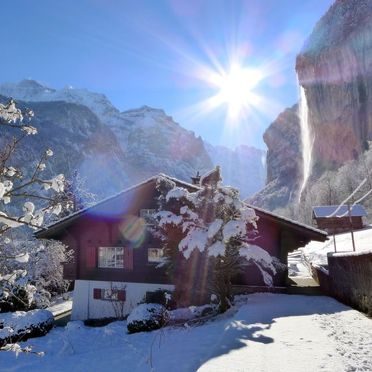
{"x": 15, "y": 292}
{"x": 21, "y": 325}
{"x": 147, "y": 317}
{"x": 32, "y": 275}
{"x": 192, "y": 312}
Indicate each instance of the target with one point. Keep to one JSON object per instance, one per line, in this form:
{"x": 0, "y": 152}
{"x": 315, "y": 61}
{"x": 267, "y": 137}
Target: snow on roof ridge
{"x": 180, "y": 181}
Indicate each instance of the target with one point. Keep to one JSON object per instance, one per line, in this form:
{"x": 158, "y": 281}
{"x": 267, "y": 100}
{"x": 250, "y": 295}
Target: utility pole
{"x": 334, "y": 242}
{"x": 351, "y": 225}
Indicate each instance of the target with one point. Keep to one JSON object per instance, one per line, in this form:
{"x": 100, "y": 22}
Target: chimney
{"x": 196, "y": 180}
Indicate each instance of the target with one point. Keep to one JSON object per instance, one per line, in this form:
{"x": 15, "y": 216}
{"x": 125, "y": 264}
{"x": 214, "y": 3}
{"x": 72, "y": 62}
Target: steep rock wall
{"x": 283, "y": 160}
{"x": 335, "y": 68}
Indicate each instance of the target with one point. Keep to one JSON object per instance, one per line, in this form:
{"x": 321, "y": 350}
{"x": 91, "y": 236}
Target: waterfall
{"x": 306, "y": 139}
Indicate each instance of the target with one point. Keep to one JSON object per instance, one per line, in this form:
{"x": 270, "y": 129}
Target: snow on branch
{"x": 26, "y": 199}
{"x": 213, "y": 222}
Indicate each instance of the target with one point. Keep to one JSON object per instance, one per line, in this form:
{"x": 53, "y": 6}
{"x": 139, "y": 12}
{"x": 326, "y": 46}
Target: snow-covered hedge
{"x": 147, "y": 317}
{"x": 162, "y": 297}
{"x": 192, "y": 312}
{"x": 15, "y": 292}
{"x": 21, "y": 325}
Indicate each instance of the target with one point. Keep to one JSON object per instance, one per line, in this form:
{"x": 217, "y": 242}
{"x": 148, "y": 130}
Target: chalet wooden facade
{"x": 338, "y": 219}
{"x": 114, "y": 250}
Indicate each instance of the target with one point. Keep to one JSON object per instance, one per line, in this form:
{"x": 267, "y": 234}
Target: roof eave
{"x": 47, "y": 232}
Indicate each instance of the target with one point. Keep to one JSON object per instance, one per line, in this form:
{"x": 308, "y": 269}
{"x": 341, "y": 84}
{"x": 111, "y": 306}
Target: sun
{"x": 235, "y": 89}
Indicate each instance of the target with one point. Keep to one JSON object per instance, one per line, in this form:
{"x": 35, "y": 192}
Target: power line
{"x": 358, "y": 201}
{"x": 348, "y": 198}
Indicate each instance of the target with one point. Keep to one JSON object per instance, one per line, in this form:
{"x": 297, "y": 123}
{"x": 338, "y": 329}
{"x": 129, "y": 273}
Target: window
{"x": 148, "y": 215}
{"x": 155, "y": 255}
{"x": 111, "y": 257}
{"x": 109, "y": 294}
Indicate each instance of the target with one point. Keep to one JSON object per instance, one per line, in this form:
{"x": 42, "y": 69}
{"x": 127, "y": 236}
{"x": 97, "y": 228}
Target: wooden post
{"x": 334, "y": 242}
{"x": 351, "y": 226}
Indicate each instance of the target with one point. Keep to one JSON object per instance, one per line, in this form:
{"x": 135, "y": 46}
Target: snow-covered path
{"x": 266, "y": 332}
{"x": 285, "y": 335}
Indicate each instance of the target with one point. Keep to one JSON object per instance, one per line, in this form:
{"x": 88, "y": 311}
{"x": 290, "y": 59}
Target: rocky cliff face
{"x": 335, "y": 68}
{"x": 284, "y": 161}
{"x": 155, "y": 143}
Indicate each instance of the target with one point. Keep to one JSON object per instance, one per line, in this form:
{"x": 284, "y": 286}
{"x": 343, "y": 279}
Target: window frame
{"x": 116, "y": 265}
{"x": 109, "y": 294}
{"x": 160, "y": 258}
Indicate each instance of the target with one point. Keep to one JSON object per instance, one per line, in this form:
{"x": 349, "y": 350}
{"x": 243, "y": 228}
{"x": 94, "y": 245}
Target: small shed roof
{"x": 325, "y": 211}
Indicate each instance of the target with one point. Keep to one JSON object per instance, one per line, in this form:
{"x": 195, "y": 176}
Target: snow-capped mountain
{"x": 79, "y": 140}
{"x": 151, "y": 141}
{"x": 30, "y": 90}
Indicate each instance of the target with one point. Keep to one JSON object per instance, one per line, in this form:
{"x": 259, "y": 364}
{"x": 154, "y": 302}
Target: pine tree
{"x": 207, "y": 236}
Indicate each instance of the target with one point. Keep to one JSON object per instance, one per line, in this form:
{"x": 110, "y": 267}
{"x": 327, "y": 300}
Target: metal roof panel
{"x": 325, "y": 211}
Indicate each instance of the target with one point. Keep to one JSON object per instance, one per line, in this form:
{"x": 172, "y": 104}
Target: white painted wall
{"x": 84, "y": 306}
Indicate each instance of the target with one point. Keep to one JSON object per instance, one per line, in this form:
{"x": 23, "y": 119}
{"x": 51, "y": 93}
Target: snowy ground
{"x": 296, "y": 265}
{"x": 316, "y": 252}
{"x": 267, "y": 332}
{"x": 60, "y": 304}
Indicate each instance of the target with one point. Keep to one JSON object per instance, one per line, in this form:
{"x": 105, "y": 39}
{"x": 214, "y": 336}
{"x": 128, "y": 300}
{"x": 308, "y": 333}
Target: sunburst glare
{"x": 235, "y": 89}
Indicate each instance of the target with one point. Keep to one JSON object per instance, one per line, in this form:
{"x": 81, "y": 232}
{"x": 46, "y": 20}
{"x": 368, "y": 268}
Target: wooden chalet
{"x": 337, "y": 219}
{"x": 114, "y": 249}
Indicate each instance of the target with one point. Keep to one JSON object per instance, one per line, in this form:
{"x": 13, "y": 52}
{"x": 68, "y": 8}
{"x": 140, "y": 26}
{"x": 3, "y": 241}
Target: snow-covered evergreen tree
{"x": 214, "y": 225}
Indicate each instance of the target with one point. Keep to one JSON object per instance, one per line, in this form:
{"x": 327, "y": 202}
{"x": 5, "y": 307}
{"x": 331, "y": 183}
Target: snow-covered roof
{"x": 342, "y": 211}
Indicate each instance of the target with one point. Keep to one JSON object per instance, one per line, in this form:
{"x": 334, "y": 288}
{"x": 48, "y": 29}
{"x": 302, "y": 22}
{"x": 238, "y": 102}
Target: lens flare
{"x": 133, "y": 229}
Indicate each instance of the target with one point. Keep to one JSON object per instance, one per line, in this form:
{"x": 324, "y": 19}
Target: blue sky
{"x": 155, "y": 52}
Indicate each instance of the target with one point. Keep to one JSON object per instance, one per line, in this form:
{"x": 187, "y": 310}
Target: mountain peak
{"x": 29, "y": 83}
{"x": 25, "y": 89}
{"x": 146, "y": 109}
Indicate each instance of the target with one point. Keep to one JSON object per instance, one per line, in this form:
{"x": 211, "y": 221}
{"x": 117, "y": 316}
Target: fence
{"x": 350, "y": 279}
